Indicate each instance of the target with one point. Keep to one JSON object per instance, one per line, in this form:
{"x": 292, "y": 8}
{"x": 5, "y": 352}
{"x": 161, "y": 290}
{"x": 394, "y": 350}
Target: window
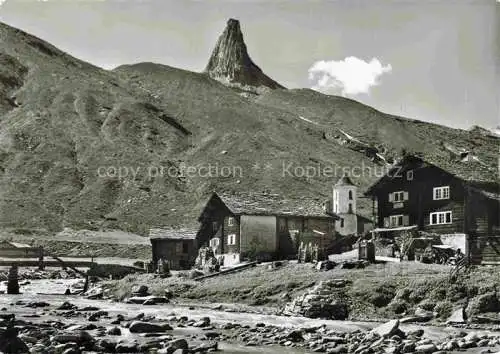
{"x": 409, "y": 175}
{"x": 230, "y": 221}
{"x": 335, "y": 201}
{"x": 185, "y": 247}
{"x": 214, "y": 243}
{"x": 341, "y": 222}
{"x": 399, "y": 196}
{"x": 396, "y": 220}
{"x": 350, "y": 195}
{"x": 441, "y": 193}
{"x": 440, "y": 217}
{"x": 350, "y": 208}
{"x": 231, "y": 239}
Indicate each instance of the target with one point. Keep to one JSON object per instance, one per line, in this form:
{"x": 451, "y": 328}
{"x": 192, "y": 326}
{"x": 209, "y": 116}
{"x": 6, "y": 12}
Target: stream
{"x": 31, "y": 292}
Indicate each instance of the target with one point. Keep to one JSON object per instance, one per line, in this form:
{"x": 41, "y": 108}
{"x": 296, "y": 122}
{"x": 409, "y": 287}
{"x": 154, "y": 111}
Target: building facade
{"x": 344, "y": 205}
{"x": 19, "y": 250}
{"x": 177, "y": 247}
{"x": 442, "y": 197}
{"x": 263, "y": 226}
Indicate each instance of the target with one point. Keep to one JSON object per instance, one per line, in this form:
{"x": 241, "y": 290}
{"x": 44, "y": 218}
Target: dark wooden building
{"x": 443, "y": 196}
{"x": 268, "y": 226}
{"x": 178, "y": 247}
{"x": 19, "y": 250}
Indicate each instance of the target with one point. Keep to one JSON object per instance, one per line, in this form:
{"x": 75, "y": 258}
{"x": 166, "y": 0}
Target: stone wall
{"x": 326, "y": 300}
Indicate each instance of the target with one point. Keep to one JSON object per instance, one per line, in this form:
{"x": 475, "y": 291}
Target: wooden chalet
{"x": 445, "y": 196}
{"x": 178, "y": 247}
{"x": 267, "y": 226}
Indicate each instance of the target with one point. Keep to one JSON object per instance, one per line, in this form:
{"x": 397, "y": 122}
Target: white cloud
{"x": 2, "y": 1}
{"x": 352, "y": 75}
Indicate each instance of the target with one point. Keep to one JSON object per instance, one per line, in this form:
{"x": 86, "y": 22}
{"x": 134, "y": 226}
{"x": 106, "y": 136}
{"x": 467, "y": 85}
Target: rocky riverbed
{"x": 36, "y": 323}
{"x": 35, "y": 274}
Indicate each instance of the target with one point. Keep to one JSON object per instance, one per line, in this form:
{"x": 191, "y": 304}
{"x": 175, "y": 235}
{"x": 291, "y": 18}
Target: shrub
{"x": 483, "y": 303}
{"x": 443, "y": 309}
{"x": 398, "y": 306}
{"x": 456, "y": 292}
{"x": 438, "y": 294}
{"x": 427, "y": 305}
{"x": 382, "y": 295}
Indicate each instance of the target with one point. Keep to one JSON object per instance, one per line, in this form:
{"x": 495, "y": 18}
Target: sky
{"x": 433, "y": 60}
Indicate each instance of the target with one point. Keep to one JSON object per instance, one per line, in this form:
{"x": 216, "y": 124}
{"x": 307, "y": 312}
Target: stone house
{"x": 267, "y": 226}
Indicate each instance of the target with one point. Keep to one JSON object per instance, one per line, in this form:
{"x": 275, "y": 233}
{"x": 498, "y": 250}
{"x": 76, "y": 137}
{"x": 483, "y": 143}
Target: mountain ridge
{"x": 65, "y": 121}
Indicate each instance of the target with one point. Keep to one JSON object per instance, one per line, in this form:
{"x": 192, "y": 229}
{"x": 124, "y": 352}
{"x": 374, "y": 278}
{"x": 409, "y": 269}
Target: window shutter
{"x": 405, "y": 196}
{"x": 406, "y": 220}
{"x": 391, "y": 197}
{"x": 386, "y": 222}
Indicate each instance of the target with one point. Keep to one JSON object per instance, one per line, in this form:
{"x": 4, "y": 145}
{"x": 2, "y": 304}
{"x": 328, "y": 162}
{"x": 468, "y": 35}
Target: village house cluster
{"x": 437, "y": 202}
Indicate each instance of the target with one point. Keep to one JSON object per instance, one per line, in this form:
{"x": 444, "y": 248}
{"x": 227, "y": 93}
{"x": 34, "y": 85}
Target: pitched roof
{"x": 345, "y": 181}
{"x": 475, "y": 172}
{"x": 472, "y": 171}
{"x": 273, "y": 204}
{"x": 15, "y": 244}
{"x": 172, "y": 233}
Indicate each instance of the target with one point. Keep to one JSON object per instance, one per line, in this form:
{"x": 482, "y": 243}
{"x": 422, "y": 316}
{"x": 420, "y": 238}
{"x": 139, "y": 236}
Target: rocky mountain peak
{"x": 231, "y": 64}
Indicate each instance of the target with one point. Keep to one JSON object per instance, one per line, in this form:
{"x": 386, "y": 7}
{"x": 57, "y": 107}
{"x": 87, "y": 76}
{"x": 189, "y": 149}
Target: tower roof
{"x": 345, "y": 181}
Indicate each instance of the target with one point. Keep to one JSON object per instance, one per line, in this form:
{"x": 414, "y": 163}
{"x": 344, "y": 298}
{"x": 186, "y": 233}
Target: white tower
{"x": 344, "y": 205}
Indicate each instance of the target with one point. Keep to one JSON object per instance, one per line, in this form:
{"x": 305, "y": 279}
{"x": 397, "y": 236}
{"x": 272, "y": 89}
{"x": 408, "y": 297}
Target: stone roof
{"x": 172, "y": 233}
{"x": 472, "y": 171}
{"x": 273, "y": 204}
{"x": 475, "y": 172}
{"x": 345, "y": 181}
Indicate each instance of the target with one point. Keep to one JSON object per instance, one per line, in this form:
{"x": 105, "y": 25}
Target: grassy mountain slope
{"x": 64, "y": 123}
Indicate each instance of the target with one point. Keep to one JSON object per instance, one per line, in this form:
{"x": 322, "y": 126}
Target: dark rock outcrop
{"x": 231, "y": 64}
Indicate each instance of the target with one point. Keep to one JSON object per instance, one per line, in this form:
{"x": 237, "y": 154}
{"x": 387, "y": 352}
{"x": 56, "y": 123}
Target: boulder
{"x": 426, "y": 348}
{"x": 140, "y": 290}
{"x": 325, "y": 265}
{"x": 67, "y": 306}
{"x": 457, "y": 317}
{"x": 202, "y": 348}
{"x": 105, "y": 345}
{"x": 387, "y": 329}
{"x": 203, "y": 322}
{"x": 82, "y": 338}
{"x": 155, "y": 300}
{"x": 146, "y": 327}
{"x": 176, "y": 344}
{"x": 147, "y": 300}
{"x": 126, "y": 347}
{"x": 115, "y": 331}
{"x": 97, "y": 315}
